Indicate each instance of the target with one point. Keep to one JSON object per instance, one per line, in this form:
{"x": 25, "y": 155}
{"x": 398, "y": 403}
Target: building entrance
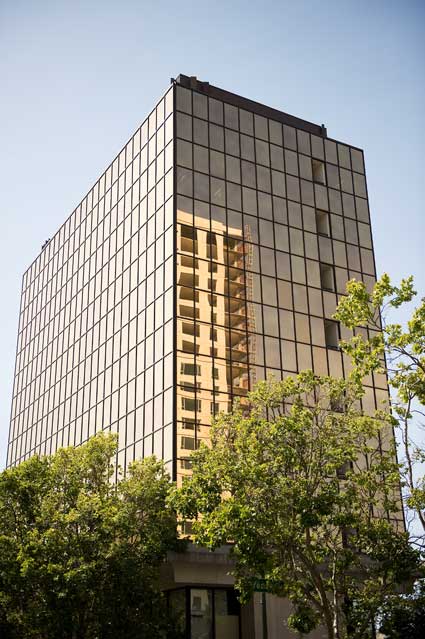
{"x": 206, "y": 613}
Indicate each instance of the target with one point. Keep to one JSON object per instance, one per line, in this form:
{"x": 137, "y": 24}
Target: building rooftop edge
{"x": 220, "y": 94}
{"x": 191, "y": 82}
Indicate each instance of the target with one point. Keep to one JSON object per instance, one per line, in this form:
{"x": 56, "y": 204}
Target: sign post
{"x": 260, "y": 585}
{"x": 264, "y": 611}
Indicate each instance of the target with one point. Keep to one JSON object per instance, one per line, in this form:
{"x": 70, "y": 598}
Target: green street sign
{"x": 262, "y": 585}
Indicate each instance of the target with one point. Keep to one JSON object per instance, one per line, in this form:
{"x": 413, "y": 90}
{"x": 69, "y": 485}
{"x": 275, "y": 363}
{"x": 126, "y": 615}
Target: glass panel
{"x": 226, "y": 608}
{"x": 201, "y": 614}
{"x": 177, "y": 600}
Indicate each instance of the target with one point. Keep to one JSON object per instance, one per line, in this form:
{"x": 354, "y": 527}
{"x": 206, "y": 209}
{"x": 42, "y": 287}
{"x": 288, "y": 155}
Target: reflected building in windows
{"x": 212, "y": 346}
{"x": 209, "y": 255}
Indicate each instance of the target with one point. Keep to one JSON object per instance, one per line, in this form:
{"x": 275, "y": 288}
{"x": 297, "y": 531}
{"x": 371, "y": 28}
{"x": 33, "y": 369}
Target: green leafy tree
{"x": 79, "y": 554}
{"x": 298, "y": 485}
{"x": 380, "y": 345}
{"x": 403, "y": 617}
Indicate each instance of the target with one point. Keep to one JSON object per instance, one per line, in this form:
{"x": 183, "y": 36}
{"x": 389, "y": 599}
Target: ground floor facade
{"x": 200, "y": 591}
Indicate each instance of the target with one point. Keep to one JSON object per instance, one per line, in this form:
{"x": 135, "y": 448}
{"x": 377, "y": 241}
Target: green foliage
{"x": 79, "y": 554}
{"x": 379, "y": 345}
{"x": 286, "y": 482}
{"x": 304, "y": 619}
{"x": 403, "y": 617}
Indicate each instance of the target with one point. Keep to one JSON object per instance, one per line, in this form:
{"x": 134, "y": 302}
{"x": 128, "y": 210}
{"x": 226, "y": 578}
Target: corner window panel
{"x": 226, "y": 613}
{"x": 201, "y": 613}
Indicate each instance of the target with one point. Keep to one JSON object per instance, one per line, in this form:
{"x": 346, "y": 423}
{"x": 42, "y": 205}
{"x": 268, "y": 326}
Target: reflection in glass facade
{"x": 208, "y": 256}
{"x": 271, "y": 221}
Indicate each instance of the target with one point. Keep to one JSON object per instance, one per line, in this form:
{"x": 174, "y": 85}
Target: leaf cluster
{"x": 382, "y": 346}
{"x": 304, "y": 491}
{"x": 403, "y": 617}
{"x": 79, "y": 554}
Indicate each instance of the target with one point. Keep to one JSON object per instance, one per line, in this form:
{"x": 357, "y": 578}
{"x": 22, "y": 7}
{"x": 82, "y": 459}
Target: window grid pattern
{"x": 95, "y": 342}
{"x": 272, "y": 221}
{"x": 239, "y": 254}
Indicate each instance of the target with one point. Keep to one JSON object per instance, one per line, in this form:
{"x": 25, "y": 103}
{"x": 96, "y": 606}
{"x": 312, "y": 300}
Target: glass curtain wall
{"x": 95, "y": 344}
{"x": 272, "y": 221}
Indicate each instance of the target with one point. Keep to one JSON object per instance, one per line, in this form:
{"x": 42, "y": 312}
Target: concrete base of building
{"x": 199, "y": 570}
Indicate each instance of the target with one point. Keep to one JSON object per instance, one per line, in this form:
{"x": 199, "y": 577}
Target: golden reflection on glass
{"x": 213, "y": 296}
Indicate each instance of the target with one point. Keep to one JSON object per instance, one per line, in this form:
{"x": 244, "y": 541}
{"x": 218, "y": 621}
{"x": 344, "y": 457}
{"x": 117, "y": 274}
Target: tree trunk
{"x": 329, "y": 621}
{"x": 336, "y": 633}
{"x": 331, "y": 632}
{"x": 335, "y": 625}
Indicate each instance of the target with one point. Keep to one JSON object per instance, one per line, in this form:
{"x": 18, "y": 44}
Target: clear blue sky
{"x": 78, "y": 77}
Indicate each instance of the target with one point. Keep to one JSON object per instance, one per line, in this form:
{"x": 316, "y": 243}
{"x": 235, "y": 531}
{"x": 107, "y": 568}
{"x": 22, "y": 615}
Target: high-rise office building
{"x": 208, "y": 255}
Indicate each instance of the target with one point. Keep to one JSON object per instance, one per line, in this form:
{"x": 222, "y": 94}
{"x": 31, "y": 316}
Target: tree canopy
{"x": 403, "y": 617}
{"x": 397, "y": 349}
{"x": 79, "y": 554}
{"x": 306, "y": 488}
